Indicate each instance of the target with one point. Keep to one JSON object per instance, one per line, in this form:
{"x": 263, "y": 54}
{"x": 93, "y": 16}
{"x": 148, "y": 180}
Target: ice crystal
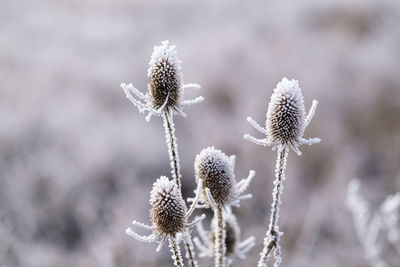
{"x": 165, "y": 87}
{"x": 286, "y": 119}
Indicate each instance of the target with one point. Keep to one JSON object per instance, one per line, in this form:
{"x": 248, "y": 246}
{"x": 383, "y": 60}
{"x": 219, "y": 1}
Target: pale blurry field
{"x": 77, "y": 160}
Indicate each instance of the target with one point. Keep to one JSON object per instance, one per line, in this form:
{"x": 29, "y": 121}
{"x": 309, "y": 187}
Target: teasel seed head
{"x": 286, "y": 119}
{"x": 165, "y": 87}
{"x": 214, "y": 168}
{"x": 165, "y": 77}
{"x": 168, "y": 209}
{"x": 286, "y": 113}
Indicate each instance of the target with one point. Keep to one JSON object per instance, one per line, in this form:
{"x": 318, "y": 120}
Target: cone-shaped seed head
{"x": 165, "y": 76}
{"x": 232, "y": 237}
{"x": 214, "y": 168}
{"x": 286, "y": 113}
{"x": 168, "y": 209}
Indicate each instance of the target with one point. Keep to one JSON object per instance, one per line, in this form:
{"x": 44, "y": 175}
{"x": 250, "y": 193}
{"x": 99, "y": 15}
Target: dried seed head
{"x": 232, "y": 237}
{"x": 165, "y": 77}
{"x": 214, "y": 168}
{"x": 168, "y": 209}
{"x": 286, "y": 113}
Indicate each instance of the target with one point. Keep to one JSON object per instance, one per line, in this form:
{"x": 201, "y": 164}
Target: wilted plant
{"x": 285, "y": 125}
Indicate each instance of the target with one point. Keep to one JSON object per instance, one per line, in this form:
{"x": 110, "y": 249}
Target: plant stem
{"x": 170, "y": 137}
{"x": 219, "y": 246}
{"x": 176, "y": 252}
{"x": 172, "y": 146}
{"x": 190, "y": 255}
{"x": 272, "y": 237}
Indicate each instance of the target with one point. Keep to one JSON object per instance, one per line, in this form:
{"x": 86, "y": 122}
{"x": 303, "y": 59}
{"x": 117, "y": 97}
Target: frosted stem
{"x": 190, "y": 255}
{"x": 176, "y": 253}
{"x": 176, "y": 175}
{"x": 172, "y": 146}
{"x": 219, "y": 248}
{"x": 272, "y": 237}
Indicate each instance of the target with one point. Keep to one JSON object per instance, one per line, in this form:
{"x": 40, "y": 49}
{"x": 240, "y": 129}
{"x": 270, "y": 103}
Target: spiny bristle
{"x": 168, "y": 209}
{"x": 286, "y": 113}
{"x": 165, "y": 76}
{"x": 214, "y": 168}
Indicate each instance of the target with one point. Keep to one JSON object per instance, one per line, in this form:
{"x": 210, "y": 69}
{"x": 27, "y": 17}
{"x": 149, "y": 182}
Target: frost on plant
{"x": 169, "y": 215}
{"x": 235, "y": 247}
{"x": 216, "y": 170}
{"x": 371, "y": 226}
{"x": 165, "y": 87}
{"x": 390, "y": 210}
{"x": 286, "y": 119}
{"x": 284, "y": 128}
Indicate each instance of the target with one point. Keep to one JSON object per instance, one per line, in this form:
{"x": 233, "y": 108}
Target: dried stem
{"x": 172, "y": 146}
{"x": 176, "y": 252}
{"x": 219, "y": 248}
{"x": 175, "y": 167}
{"x": 190, "y": 255}
{"x": 271, "y": 240}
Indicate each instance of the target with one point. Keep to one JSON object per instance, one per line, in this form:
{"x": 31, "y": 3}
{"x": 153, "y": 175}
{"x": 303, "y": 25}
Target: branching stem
{"x": 272, "y": 237}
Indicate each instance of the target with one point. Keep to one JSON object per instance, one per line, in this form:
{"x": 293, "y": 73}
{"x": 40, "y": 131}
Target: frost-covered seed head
{"x": 165, "y": 76}
{"x": 214, "y": 168}
{"x": 168, "y": 209}
{"x": 232, "y": 237}
{"x": 286, "y": 113}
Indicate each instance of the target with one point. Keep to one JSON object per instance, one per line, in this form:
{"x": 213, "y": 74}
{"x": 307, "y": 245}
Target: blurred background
{"x": 77, "y": 160}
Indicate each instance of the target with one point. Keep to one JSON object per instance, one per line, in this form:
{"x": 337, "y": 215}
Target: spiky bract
{"x": 165, "y": 77}
{"x": 214, "y": 168}
{"x": 168, "y": 209}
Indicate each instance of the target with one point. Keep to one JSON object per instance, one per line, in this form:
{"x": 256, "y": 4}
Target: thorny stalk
{"x": 176, "y": 253}
{"x": 271, "y": 240}
{"x": 220, "y": 248}
{"x": 190, "y": 255}
{"x": 175, "y": 167}
{"x": 172, "y": 146}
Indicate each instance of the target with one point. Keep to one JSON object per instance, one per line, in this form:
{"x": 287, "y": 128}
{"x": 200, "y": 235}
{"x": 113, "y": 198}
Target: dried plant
{"x": 215, "y": 170}
{"x": 235, "y": 247}
{"x": 285, "y": 125}
{"x": 169, "y": 217}
{"x": 371, "y": 226}
{"x": 217, "y": 187}
{"x": 165, "y": 98}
